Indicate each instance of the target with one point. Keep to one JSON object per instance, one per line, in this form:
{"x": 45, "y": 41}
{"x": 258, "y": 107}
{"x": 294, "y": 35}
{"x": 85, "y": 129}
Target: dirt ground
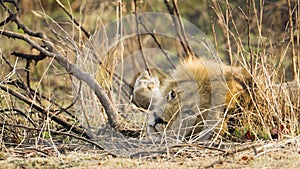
{"x": 267, "y": 155}
{"x": 91, "y": 160}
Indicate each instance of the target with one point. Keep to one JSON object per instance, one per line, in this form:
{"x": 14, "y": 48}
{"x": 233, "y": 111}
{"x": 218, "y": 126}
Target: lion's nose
{"x": 158, "y": 120}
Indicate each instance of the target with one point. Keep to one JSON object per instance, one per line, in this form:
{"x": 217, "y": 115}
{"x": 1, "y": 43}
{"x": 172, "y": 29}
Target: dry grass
{"x": 280, "y": 154}
{"x": 244, "y": 35}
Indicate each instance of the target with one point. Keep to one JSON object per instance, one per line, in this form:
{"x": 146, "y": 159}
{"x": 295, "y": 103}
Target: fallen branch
{"x": 55, "y": 132}
{"x": 19, "y": 112}
{"x": 111, "y": 112}
{"x": 53, "y": 116}
{"x": 21, "y": 85}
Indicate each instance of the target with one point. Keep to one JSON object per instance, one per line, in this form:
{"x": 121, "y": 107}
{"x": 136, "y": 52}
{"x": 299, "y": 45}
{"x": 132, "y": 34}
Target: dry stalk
{"x": 137, "y": 22}
{"x": 73, "y": 19}
{"x": 294, "y": 56}
{"x": 177, "y": 19}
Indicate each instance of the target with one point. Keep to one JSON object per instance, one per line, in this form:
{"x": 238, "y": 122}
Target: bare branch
{"x": 20, "y": 112}
{"x": 139, "y": 36}
{"x": 36, "y": 58}
{"x": 110, "y": 110}
{"x": 21, "y": 85}
{"x": 179, "y": 27}
{"x": 158, "y": 44}
{"x": 6, "y": 20}
{"x": 55, "y": 132}
{"x": 45, "y": 112}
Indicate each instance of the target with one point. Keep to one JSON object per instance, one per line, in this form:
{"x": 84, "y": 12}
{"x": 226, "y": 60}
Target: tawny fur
{"x": 146, "y": 89}
{"x": 197, "y": 92}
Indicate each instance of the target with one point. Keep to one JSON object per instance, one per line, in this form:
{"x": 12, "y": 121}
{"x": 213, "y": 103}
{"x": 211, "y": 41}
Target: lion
{"x": 194, "y": 99}
{"x": 146, "y": 89}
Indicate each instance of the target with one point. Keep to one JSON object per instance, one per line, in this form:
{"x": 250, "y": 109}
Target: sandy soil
{"x": 183, "y": 157}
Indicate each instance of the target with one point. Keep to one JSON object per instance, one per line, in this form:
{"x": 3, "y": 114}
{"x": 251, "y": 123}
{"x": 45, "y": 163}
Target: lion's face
{"x": 175, "y": 113}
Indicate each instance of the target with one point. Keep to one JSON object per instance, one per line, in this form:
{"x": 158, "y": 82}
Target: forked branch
{"x": 48, "y": 49}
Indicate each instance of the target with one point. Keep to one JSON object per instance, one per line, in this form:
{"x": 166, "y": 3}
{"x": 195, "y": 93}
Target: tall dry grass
{"x": 271, "y": 55}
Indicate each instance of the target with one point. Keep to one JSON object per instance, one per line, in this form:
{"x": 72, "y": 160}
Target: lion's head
{"x": 193, "y": 99}
{"x": 185, "y": 105}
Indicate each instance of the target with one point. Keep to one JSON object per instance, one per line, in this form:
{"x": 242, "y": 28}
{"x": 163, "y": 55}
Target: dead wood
{"x": 47, "y": 49}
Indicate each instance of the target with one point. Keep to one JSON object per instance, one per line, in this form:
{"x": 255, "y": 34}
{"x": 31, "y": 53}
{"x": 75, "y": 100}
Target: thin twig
{"x": 45, "y": 112}
{"x": 73, "y": 19}
{"x": 180, "y": 22}
{"x": 158, "y": 44}
{"x": 21, "y": 85}
{"x": 139, "y": 37}
{"x": 14, "y": 2}
{"x": 20, "y": 112}
{"x": 179, "y": 27}
{"x": 55, "y": 132}
{"x": 227, "y": 34}
{"x": 6, "y": 20}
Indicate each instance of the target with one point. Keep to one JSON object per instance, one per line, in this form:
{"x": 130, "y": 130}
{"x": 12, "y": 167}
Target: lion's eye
{"x": 171, "y": 95}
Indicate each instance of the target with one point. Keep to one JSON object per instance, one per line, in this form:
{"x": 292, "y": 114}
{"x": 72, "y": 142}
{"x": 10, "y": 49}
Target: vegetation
{"x": 59, "y": 85}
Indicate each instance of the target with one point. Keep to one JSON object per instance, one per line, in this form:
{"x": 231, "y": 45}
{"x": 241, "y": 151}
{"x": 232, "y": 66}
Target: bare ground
{"x": 280, "y": 154}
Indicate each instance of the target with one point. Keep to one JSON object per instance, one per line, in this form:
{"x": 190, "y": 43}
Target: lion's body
{"x": 196, "y": 96}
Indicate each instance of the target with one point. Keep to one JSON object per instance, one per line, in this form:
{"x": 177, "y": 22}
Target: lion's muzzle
{"x": 156, "y": 123}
